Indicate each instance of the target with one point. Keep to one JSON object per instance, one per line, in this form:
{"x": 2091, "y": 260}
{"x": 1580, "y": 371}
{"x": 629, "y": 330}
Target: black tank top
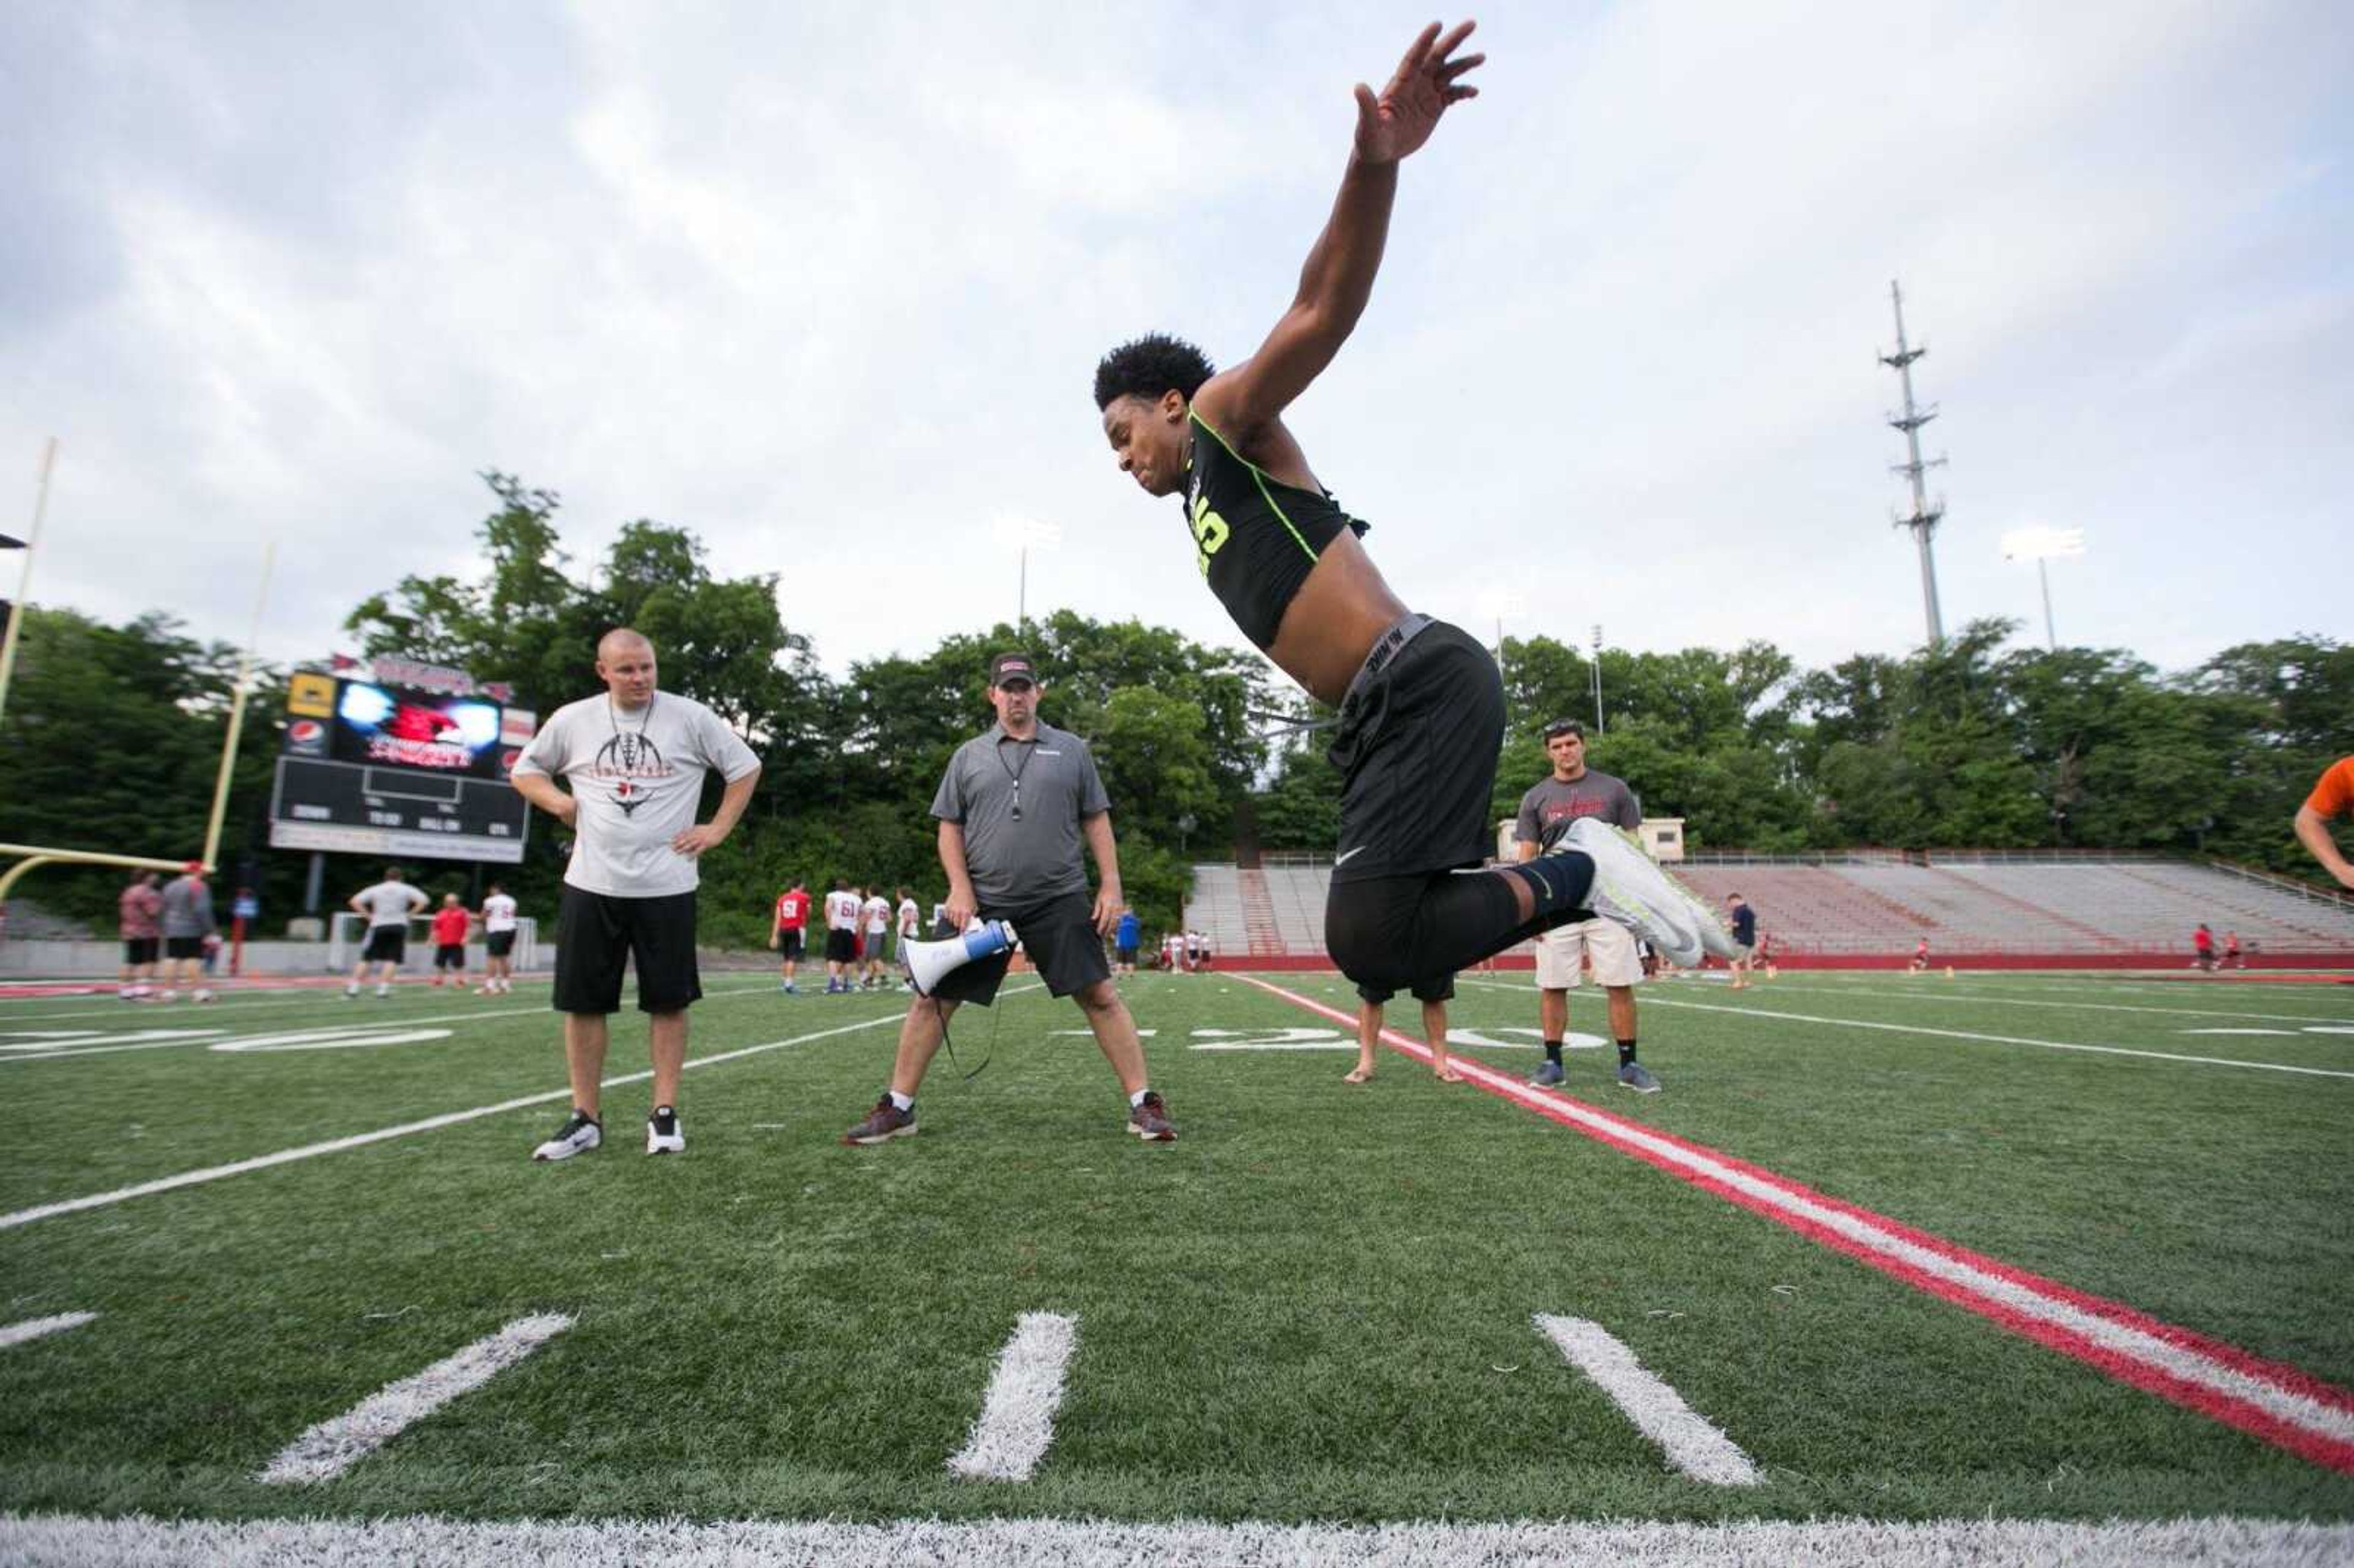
{"x": 1255, "y": 537}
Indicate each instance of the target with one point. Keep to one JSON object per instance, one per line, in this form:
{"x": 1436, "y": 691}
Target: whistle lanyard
{"x": 1015, "y": 773}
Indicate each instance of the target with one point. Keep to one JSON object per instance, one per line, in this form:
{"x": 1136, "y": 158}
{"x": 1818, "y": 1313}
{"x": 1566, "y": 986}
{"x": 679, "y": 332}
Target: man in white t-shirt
{"x": 842, "y": 907}
{"x": 910, "y": 919}
{"x": 635, "y": 757}
{"x": 387, "y": 905}
{"x": 877, "y": 913}
{"x": 498, "y": 941}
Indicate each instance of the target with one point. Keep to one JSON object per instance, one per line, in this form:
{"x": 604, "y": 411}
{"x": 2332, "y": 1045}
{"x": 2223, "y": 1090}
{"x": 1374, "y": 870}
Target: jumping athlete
{"x": 1422, "y": 704}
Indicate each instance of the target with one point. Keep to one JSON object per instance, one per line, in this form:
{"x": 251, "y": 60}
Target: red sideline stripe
{"x": 2319, "y": 1448}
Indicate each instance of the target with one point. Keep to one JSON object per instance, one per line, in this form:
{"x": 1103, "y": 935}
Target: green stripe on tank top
{"x": 1259, "y": 478}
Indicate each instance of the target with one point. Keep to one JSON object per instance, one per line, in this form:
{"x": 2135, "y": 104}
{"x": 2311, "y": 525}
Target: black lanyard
{"x": 1015, "y": 773}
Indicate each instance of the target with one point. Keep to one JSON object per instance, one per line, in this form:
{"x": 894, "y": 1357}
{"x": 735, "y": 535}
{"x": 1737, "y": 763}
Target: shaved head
{"x": 625, "y": 662}
{"x": 619, "y": 639}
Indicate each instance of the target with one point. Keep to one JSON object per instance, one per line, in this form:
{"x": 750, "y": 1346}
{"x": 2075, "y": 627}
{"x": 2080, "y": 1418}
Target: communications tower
{"x": 1925, "y": 515}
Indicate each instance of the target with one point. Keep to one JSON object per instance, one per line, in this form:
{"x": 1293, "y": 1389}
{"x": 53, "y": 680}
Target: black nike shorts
{"x": 385, "y": 945}
{"x": 841, "y": 946}
{"x": 1416, "y": 751}
{"x": 1061, "y": 939}
{"x": 598, "y": 934}
{"x": 1439, "y": 989}
{"x": 789, "y": 943}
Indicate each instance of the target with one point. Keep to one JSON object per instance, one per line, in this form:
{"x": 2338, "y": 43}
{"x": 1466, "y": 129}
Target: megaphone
{"x": 925, "y": 963}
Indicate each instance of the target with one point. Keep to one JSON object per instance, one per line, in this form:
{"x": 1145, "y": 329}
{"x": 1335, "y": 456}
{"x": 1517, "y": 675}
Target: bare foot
{"x": 1362, "y": 1073}
{"x": 1448, "y": 1074}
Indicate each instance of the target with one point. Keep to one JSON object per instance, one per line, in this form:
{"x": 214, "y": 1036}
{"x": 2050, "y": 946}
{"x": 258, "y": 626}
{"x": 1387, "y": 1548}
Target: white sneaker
{"x": 201, "y": 995}
{"x": 351, "y": 993}
{"x": 1630, "y": 889}
{"x": 579, "y": 1134}
{"x": 383, "y": 991}
{"x": 663, "y": 1133}
{"x": 167, "y": 996}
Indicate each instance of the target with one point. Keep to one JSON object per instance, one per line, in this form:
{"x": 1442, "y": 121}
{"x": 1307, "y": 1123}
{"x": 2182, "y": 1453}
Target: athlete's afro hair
{"x": 1149, "y": 367}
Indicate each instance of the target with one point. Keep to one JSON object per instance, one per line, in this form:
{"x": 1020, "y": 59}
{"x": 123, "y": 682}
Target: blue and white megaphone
{"x": 925, "y": 962}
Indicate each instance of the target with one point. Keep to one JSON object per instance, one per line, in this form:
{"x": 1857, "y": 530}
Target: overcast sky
{"x": 827, "y": 286}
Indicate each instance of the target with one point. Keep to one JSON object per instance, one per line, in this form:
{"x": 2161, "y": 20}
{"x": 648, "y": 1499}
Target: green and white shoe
{"x": 1631, "y": 890}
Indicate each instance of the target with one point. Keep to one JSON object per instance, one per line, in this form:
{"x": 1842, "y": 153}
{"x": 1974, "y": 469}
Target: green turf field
{"x": 1317, "y": 1305}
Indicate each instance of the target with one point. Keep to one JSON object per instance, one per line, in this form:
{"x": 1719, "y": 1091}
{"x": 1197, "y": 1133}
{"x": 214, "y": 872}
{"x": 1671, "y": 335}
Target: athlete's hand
{"x": 694, "y": 841}
{"x": 1393, "y": 125}
{"x": 960, "y": 907}
{"x": 1110, "y": 906}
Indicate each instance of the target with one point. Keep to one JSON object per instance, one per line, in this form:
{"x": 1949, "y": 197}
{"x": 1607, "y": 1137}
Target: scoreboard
{"x": 369, "y": 768}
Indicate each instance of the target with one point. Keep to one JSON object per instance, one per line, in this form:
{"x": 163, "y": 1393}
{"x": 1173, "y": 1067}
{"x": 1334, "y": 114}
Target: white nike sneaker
{"x": 662, "y": 1134}
{"x": 579, "y": 1134}
{"x": 1631, "y": 890}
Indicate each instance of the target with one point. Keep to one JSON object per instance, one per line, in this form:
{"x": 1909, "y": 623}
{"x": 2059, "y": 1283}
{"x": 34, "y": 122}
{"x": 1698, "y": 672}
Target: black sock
{"x": 1626, "y": 1053}
{"x": 1560, "y": 882}
{"x": 1553, "y": 1052}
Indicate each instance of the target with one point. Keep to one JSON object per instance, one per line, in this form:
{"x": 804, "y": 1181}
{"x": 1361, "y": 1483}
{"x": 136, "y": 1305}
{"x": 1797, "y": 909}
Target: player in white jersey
{"x": 875, "y": 915}
{"x": 842, "y": 906}
{"x": 387, "y": 905}
{"x": 498, "y": 940}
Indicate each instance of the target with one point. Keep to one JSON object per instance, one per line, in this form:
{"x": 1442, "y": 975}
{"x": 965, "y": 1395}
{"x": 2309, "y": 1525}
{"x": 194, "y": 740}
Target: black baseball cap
{"x": 1564, "y": 726}
{"x": 1013, "y": 667}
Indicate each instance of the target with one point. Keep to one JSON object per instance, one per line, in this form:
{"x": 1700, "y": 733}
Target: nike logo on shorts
{"x": 1341, "y": 860}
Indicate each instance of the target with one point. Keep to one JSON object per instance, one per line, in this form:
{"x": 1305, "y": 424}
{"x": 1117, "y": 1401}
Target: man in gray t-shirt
{"x": 1572, "y": 791}
{"x": 187, "y": 922}
{"x": 634, "y": 758}
{"x": 1014, "y": 808}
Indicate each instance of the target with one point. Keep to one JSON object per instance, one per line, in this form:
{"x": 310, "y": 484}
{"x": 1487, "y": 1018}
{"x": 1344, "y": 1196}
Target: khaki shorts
{"x": 1609, "y": 944}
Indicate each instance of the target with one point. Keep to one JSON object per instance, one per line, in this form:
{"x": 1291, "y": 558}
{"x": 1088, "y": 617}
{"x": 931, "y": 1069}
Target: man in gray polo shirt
{"x": 1573, "y": 791}
{"x": 1015, "y": 804}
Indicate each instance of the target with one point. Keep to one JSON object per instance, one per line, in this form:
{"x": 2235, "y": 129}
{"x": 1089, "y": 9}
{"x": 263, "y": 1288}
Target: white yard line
{"x": 358, "y": 1141}
{"x": 34, "y": 1327}
{"x": 1017, "y": 1417}
{"x": 1944, "y": 994}
{"x": 330, "y": 1448}
{"x": 1966, "y": 1034}
{"x": 1691, "y": 1443}
{"x": 66, "y": 1541}
{"x": 387, "y": 1020}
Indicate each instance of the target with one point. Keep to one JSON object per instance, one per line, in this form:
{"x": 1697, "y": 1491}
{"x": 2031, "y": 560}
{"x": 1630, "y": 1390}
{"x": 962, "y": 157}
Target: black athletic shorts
{"x": 385, "y": 945}
{"x": 596, "y": 934}
{"x": 449, "y": 955}
{"x": 841, "y": 946}
{"x": 140, "y": 949}
{"x": 1439, "y": 989}
{"x": 1417, "y": 752}
{"x": 498, "y": 943}
{"x": 184, "y": 947}
{"x": 789, "y": 944}
{"x": 1061, "y": 938}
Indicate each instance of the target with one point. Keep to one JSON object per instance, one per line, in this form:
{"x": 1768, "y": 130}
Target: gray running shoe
{"x": 1631, "y": 890}
{"x": 1636, "y": 1076}
{"x": 1549, "y": 1076}
{"x": 579, "y": 1134}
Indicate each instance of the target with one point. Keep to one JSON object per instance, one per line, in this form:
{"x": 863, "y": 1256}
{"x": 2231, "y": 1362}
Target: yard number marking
{"x": 1658, "y": 1411}
{"x": 1017, "y": 1417}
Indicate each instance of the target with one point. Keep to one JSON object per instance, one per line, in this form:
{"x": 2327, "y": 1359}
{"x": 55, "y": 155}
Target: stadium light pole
{"x": 1024, "y": 534}
{"x": 30, "y": 543}
{"x": 1597, "y": 678}
{"x": 2043, "y": 544}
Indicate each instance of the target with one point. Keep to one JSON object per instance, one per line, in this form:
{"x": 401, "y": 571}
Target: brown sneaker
{"x": 1150, "y": 1120}
{"x": 884, "y": 1122}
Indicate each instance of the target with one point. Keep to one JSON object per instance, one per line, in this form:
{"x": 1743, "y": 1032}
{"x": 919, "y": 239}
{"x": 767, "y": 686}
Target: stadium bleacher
{"x": 1869, "y": 903}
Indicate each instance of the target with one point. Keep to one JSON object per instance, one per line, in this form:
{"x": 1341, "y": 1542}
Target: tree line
{"x": 111, "y": 732}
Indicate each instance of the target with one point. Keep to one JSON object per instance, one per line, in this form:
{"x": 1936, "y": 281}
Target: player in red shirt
{"x": 1921, "y": 956}
{"x": 785, "y": 936}
{"x": 2203, "y": 948}
{"x": 449, "y": 925}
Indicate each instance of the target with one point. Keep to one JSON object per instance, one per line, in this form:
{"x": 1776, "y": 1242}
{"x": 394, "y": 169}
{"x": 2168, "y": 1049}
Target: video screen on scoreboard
{"x": 394, "y": 726}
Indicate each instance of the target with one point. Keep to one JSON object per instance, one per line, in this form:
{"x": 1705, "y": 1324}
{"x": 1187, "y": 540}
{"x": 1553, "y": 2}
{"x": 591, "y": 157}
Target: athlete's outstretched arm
{"x": 1337, "y": 278}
